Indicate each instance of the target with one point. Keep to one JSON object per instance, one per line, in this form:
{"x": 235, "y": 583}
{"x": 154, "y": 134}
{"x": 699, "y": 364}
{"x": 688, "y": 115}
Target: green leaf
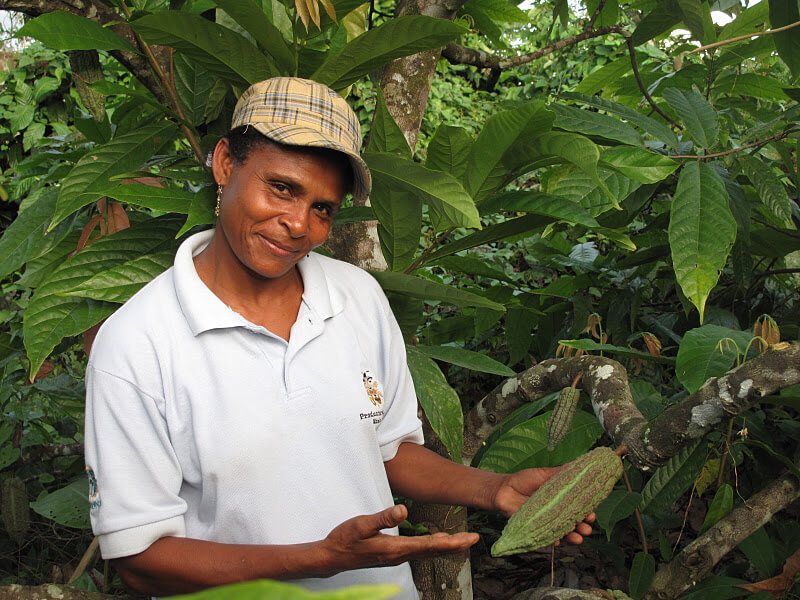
{"x": 439, "y": 401}
{"x": 254, "y": 21}
{"x": 594, "y": 124}
{"x": 498, "y": 152}
{"x": 225, "y": 53}
{"x": 472, "y": 265}
{"x": 119, "y": 283}
{"x": 772, "y": 191}
{"x": 89, "y": 178}
{"x": 161, "y": 199}
{"x": 8, "y": 455}
{"x": 697, "y": 18}
{"x": 400, "y": 216}
{"x": 609, "y": 73}
{"x": 590, "y": 345}
{"x": 493, "y": 233}
{"x": 110, "y": 88}
{"x": 354, "y": 214}
{"x": 702, "y": 356}
{"x": 749, "y": 20}
{"x": 66, "y": 31}
{"x": 425, "y": 289}
{"x": 385, "y": 135}
{"x": 277, "y": 590}
{"x": 760, "y": 550}
{"x": 661, "y": 19}
{"x": 448, "y": 150}
{"x": 619, "y": 505}
{"x": 581, "y": 188}
{"x": 538, "y": 203}
{"x": 26, "y": 237}
{"x": 201, "y": 211}
{"x": 571, "y": 147}
{"x": 396, "y": 37}
{"x": 468, "y": 359}
{"x": 525, "y": 445}
{"x": 519, "y": 325}
{"x": 674, "y": 478}
{"x": 750, "y": 84}
{"x": 639, "y": 164}
{"x": 697, "y": 114}
{"x": 720, "y": 506}
{"x": 701, "y": 231}
{"x": 51, "y": 317}
{"x": 194, "y": 85}
{"x": 658, "y": 130}
{"x": 440, "y": 191}
{"x": 787, "y": 43}
{"x": 68, "y": 506}
{"x": 643, "y": 570}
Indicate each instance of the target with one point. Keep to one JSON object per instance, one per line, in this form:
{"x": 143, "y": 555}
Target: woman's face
{"x": 276, "y": 207}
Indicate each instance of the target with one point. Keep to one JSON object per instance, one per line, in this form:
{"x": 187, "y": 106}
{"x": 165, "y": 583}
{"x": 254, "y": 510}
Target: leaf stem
{"x": 739, "y": 38}
{"x": 640, "y": 82}
{"x": 637, "y": 513}
{"x": 761, "y": 142}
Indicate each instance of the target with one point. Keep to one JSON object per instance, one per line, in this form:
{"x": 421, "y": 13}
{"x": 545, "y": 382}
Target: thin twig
{"x": 739, "y": 38}
{"x": 637, "y": 513}
{"x": 595, "y": 16}
{"x": 685, "y": 518}
{"x": 771, "y": 226}
{"x": 761, "y": 142}
{"x": 425, "y": 253}
{"x": 642, "y": 87}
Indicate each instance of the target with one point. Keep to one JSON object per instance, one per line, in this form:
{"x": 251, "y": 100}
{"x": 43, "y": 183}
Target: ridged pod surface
{"x": 561, "y": 418}
{"x": 14, "y": 504}
{"x": 561, "y": 502}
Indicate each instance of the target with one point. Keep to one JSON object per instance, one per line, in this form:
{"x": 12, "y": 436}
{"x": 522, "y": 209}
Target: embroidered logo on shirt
{"x": 373, "y": 389}
{"x": 94, "y": 493}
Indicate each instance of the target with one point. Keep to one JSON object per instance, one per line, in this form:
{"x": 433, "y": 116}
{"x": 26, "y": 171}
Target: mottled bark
{"x": 52, "y": 591}
{"x": 697, "y": 560}
{"x": 567, "y": 594}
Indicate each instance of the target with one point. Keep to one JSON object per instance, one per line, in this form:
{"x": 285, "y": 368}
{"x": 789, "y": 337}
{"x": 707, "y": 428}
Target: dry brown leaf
{"x": 591, "y": 325}
{"x": 329, "y": 8}
{"x": 302, "y": 10}
{"x": 313, "y": 10}
{"x": 653, "y": 344}
{"x": 777, "y": 585}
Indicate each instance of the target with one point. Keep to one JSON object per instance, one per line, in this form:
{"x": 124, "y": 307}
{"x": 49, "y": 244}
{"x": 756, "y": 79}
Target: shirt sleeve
{"x": 400, "y": 421}
{"x": 134, "y": 474}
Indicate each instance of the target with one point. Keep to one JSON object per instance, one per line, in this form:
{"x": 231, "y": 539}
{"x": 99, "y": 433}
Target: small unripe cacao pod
{"x": 561, "y": 418}
{"x": 16, "y": 511}
{"x": 561, "y": 502}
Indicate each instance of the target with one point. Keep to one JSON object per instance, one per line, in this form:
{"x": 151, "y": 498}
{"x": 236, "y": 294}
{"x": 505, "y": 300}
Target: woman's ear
{"x": 222, "y": 162}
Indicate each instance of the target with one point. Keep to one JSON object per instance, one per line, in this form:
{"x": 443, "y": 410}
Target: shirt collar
{"x": 205, "y": 311}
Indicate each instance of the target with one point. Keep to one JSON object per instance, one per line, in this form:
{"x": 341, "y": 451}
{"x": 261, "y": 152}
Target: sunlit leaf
{"x": 696, "y": 113}
{"x": 67, "y": 31}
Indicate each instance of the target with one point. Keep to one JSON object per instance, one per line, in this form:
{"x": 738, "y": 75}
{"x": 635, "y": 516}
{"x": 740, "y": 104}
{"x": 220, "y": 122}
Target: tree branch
{"x": 761, "y": 142}
{"x": 642, "y": 87}
{"x": 459, "y": 55}
{"x": 744, "y": 37}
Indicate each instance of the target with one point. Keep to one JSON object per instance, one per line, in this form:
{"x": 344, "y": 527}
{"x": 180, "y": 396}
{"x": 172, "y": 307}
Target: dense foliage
{"x": 633, "y": 196}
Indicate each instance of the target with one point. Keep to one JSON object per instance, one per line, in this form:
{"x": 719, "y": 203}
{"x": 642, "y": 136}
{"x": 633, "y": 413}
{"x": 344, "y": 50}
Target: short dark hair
{"x": 243, "y": 140}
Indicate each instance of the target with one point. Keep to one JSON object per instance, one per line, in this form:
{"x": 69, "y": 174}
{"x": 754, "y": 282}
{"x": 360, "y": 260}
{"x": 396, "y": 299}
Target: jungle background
{"x": 596, "y": 194}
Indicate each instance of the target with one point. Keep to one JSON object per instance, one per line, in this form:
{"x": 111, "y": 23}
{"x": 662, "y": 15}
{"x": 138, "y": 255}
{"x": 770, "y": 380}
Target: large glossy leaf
{"x": 277, "y": 590}
{"x": 90, "y": 176}
{"x": 400, "y": 216}
{"x": 439, "y": 401}
{"x": 492, "y": 233}
{"x": 25, "y": 238}
{"x": 252, "y": 19}
{"x": 594, "y": 124}
{"x": 750, "y": 20}
{"x": 641, "y": 576}
{"x": 194, "y": 85}
{"x": 161, "y": 199}
{"x": 656, "y": 129}
{"x": 67, "y": 506}
{"x": 525, "y": 445}
{"x": 697, "y": 18}
{"x": 448, "y": 150}
{"x": 661, "y": 19}
{"x": 119, "y": 283}
{"x": 223, "y": 52}
{"x": 608, "y": 73}
{"x": 750, "y": 84}
{"x": 581, "y": 188}
{"x": 440, "y": 191}
{"x": 639, "y": 164}
{"x": 570, "y": 147}
{"x": 787, "y": 43}
{"x": 620, "y": 504}
{"x": 672, "y": 479}
{"x": 51, "y": 317}
{"x": 540, "y": 204}
{"x": 397, "y": 37}
{"x": 760, "y": 550}
{"x": 424, "y": 289}
{"x": 499, "y": 149}
{"x": 771, "y": 190}
{"x": 384, "y": 134}
{"x": 696, "y": 113}
{"x": 468, "y": 359}
{"x": 720, "y": 506}
{"x": 66, "y": 31}
{"x": 201, "y": 212}
{"x": 702, "y": 354}
{"x": 701, "y": 231}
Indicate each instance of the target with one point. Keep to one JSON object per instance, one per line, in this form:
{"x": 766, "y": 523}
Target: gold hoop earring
{"x": 219, "y": 200}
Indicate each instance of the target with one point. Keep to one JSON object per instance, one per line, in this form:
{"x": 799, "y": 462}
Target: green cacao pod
{"x": 561, "y": 418}
{"x": 16, "y": 511}
{"x": 561, "y": 502}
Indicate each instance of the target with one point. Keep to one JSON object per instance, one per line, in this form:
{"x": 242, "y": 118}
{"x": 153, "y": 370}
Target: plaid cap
{"x": 300, "y": 112}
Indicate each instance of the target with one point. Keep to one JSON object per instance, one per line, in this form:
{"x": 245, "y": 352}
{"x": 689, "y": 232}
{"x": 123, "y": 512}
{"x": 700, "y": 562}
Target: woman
{"x": 249, "y": 412}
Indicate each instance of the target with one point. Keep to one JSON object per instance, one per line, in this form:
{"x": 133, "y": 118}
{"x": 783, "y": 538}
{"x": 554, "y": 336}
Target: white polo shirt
{"x": 202, "y": 424}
